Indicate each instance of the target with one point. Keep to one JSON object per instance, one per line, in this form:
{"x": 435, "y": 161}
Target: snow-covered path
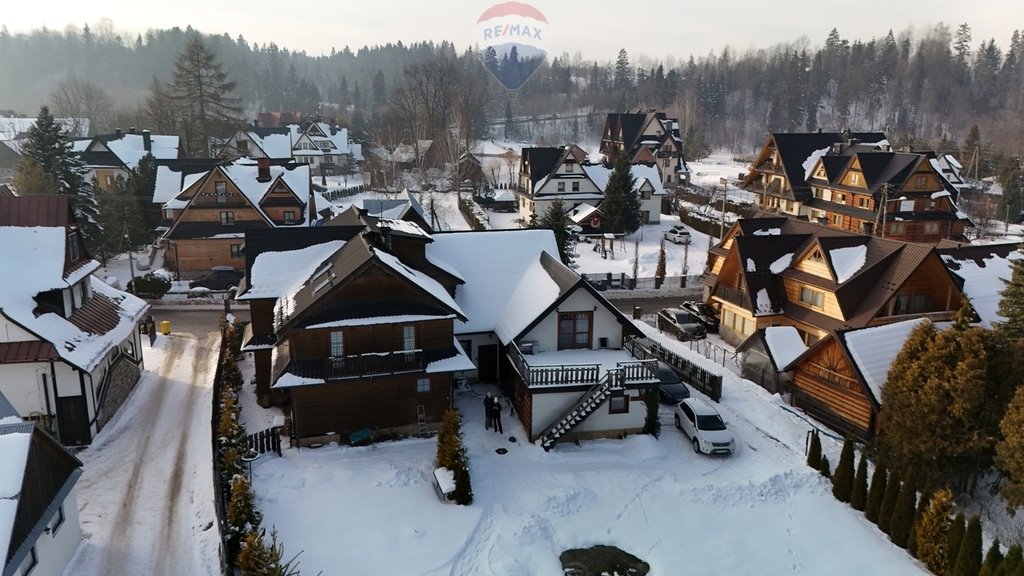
{"x": 146, "y": 497}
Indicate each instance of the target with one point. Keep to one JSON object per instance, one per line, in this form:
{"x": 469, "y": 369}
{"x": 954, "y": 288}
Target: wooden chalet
{"x": 39, "y": 527}
{"x": 354, "y": 334}
{"x": 650, "y": 138}
{"x": 70, "y": 349}
{"x": 839, "y": 380}
{"x": 841, "y": 182}
{"x": 787, "y": 272}
{"x": 210, "y": 215}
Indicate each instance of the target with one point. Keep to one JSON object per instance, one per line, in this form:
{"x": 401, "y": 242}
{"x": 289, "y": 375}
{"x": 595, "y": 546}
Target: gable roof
{"x": 985, "y": 269}
{"x": 873, "y": 350}
{"x": 84, "y": 339}
{"x": 36, "y": 474}
{"x": 126, "y": 149}
{"x": 492, "y": 263}
{"x": 541, "y": 161}
{"x": 175, "y": 175}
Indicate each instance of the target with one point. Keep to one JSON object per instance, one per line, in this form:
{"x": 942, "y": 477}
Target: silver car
{"x": 704, "y": 427}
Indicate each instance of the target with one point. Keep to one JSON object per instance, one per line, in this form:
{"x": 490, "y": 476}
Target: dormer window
{"x": 73, "y": 254}
{"x": 221, "y": 189}
{"x": 570, "y": 167}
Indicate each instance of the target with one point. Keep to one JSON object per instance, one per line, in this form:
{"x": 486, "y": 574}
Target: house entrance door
{"x": 487, "y": 362}
{"x": 73, "y": 421}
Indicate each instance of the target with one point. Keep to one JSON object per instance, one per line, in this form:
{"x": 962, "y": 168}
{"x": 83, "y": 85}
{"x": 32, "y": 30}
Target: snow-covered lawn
{"x": 372, "y": 510}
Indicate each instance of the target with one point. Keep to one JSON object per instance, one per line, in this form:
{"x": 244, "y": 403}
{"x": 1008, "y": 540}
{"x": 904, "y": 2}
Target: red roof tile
{"x": 32, "y": 351}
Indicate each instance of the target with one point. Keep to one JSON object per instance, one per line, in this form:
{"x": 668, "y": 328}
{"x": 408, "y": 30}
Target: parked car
{"x": 218, "y": 278}
{"x": 680, "y": 324}
{"x": 703, "y": 313}
{"x": 671, "y": 389}
{"x": 704, "y": 427}
{"x": 678, "y": 235}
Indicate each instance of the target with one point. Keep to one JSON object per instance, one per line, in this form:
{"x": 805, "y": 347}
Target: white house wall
{"x": 548, "y": 407}
{"x": 545, "y": 334}
{"x": 55, "y": 550}
{"x": 11, "y": 332}
{"x": 22, "y": 385}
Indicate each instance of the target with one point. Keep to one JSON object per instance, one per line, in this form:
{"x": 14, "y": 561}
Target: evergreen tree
{"x": 922, "y": 507}
{"x": 254, "y": 555}
{"x": 48, "y": 159}
{"x": 968, "y": 559}
{"x": 814, "y": 451}
{"x": 1010, "y": 451}
{"x": 993, "y": 559}
{"x": 1014, "y": 558}
{"x": 956, "y": 535}
{"x": 202, "y": 91}
{"x": 824, "y": 467}
{"x": 660, "y": 270}
{"x": 859, "y": 495}
{"x": 447, "y": 439}
{"x": 903, "y": 515}
{"x": 1011, "y": 303}
{"x": 621, "y": 206}
{"x": 623, "y": 79}
{"x": 555, "y": 219}
{"x": 876, "y": 493}
{"x": 885, "y": 512}
{"x": 842, "y": 481}
{"x": 652, "y": 425}
{"x": 933, "y": 532}
{"x": 242, "y": 516}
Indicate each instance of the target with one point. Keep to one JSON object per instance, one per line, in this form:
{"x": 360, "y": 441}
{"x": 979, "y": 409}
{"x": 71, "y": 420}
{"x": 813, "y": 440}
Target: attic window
{"x": 854, "y": 178}
{"x": 816, "y": 257}
{"x": 921, "y": 181}
{"x": 570, "y": 167}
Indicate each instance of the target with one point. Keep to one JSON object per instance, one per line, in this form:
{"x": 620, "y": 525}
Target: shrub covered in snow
{"x": 451, "y": 454}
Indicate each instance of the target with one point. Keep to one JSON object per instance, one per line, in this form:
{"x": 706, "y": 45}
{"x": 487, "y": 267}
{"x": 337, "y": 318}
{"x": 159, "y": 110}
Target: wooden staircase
{"x": 590, "y": 401}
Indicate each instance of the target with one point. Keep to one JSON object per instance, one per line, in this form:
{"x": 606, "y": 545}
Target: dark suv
{"x": 702, "y": 313}
{"x": 680, "y": 324}
{"x": 218, "y": 278}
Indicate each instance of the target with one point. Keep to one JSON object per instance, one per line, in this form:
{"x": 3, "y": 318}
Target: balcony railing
{"x": 360, "y": 365}
{"x": 733, "y": 296}
{"x": 633, "y": 372}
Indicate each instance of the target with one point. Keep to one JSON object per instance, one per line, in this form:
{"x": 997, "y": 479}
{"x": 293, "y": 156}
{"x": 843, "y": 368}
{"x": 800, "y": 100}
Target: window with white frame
{"x": 56, "y": 521}
{"x": 337, "y": 344}
{"x": 408, "y": 338}
{"x": 423, "y": 385}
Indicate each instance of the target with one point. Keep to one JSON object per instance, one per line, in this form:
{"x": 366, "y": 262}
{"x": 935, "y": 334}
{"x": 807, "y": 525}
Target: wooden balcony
{"x": 733, "y": 296}
{"x": 550, "y": 375}
{"x": 360, "y": 365}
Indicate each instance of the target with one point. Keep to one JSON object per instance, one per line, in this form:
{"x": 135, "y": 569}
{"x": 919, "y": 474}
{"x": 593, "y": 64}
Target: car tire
{"x": 678, "y": 425}
{"x": 696, "y": 445}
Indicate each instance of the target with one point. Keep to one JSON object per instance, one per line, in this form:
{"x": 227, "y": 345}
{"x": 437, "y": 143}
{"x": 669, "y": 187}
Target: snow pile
{"x": 764, "y": 306}
{"x": 784, "y": 344}
{"x": 751, "y": 266}
{"x": 848, "y": 261}
{"x": 873, "y": 350}
{"x": 812, "y": 161}
{"x": 781, "y": 264}
{"x": 767, "y": 232}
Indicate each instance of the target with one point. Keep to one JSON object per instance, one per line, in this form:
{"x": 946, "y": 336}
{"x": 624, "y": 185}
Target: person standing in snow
{"x": 488, "y": 412}
{"x": 496, "y": 412}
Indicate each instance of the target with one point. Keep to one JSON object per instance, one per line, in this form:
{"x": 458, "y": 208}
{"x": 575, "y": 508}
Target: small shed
{"x": 766, "y": 353}
{"x": 444, "y": 484}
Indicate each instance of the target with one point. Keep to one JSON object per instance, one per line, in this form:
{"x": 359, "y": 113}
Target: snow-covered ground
{"x": 372, "y": 510}
{"x": 146, "y": 495}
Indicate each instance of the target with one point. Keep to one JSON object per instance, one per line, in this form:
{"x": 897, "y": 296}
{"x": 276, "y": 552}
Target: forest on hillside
{"x": 925, "y": 88}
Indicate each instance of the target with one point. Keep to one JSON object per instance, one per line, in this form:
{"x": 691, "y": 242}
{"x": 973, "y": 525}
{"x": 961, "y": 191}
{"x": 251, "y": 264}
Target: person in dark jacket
{"x": 488, "y": 412}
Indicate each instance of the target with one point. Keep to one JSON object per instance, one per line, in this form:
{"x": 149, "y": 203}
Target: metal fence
{"x": 700, "y": 378}
{"x": 622, "y": 281}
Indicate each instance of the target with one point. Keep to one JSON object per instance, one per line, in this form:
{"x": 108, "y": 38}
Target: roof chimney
{"x": 263, "y": 169}
{"x": 147, "y": 142}
{"x": 117, "y": 131}
{"x": 131, "y": 129}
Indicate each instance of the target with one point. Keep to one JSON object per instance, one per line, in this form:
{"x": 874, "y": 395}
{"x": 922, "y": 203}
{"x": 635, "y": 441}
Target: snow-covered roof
{"x": 848, "y": 261}
{"x": 13, "y": 459}
{"x": 784, "y": 344}
{"x": 873, "y": 350}
{"x": 457, "y": 363}
{"x": 600, "y": 175}
{"x": 281, "y": 274}
{"x": 37, "y": 253}
{"x": 582, "y": 213}
{"x": 130, "y": 148}
{"x": 273, "y": 145}
{"x": 402, "y": 226}
{"x": 767, "y": 232}
{"x": 984, "y": 282}
{"x": 504, "y": 195}
{"x": 812, "y": 161}
{"x": 534, "y": 293}
{"x": 781, "y": 264}
{"x": 492, "y": 263}
{"x": 11, "y": 127}
{"x": 168, "y": 184}
{"x": 428, "y": 284}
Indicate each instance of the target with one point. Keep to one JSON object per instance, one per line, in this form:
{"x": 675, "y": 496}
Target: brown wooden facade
{"x": 827, "y": 386}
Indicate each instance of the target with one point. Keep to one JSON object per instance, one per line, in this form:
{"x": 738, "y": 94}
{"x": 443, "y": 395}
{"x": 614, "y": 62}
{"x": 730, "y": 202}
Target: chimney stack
{"x": 147, "y": 141}
{"x": 117, "y": 132}
{"x": 263, "y": 167}
{"x": 131, "y": 129}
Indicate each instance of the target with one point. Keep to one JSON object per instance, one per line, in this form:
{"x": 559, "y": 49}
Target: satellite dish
{"x": 513, "y": 42}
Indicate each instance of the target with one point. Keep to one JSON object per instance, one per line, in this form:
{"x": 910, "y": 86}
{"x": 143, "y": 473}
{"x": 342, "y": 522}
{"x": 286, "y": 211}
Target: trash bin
{"x": 165, "y": 327}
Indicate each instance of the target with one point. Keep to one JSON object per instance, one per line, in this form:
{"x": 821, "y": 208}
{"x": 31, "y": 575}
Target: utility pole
{"x": 686, "y": 263}
{"x": 131, "y": 262}
{"x": 725, "y": 193}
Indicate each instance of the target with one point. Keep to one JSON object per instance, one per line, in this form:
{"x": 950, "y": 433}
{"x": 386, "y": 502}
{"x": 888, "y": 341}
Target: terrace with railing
{"x": 580, "y": 367}
{"x": 360, "y": 365}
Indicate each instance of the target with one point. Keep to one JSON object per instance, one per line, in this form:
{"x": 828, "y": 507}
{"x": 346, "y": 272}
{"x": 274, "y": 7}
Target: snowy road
{"x": 146, "y": 497}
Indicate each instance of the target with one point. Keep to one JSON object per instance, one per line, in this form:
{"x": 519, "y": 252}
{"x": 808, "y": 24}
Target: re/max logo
{"x": 521, "y": 30}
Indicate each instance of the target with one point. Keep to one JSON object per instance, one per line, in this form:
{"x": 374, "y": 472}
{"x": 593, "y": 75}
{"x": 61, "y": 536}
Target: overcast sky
{"x": 597, "y": 28}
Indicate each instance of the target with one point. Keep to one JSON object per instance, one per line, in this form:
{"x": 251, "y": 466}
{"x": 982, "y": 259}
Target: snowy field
{"x": 372, "y": 510}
